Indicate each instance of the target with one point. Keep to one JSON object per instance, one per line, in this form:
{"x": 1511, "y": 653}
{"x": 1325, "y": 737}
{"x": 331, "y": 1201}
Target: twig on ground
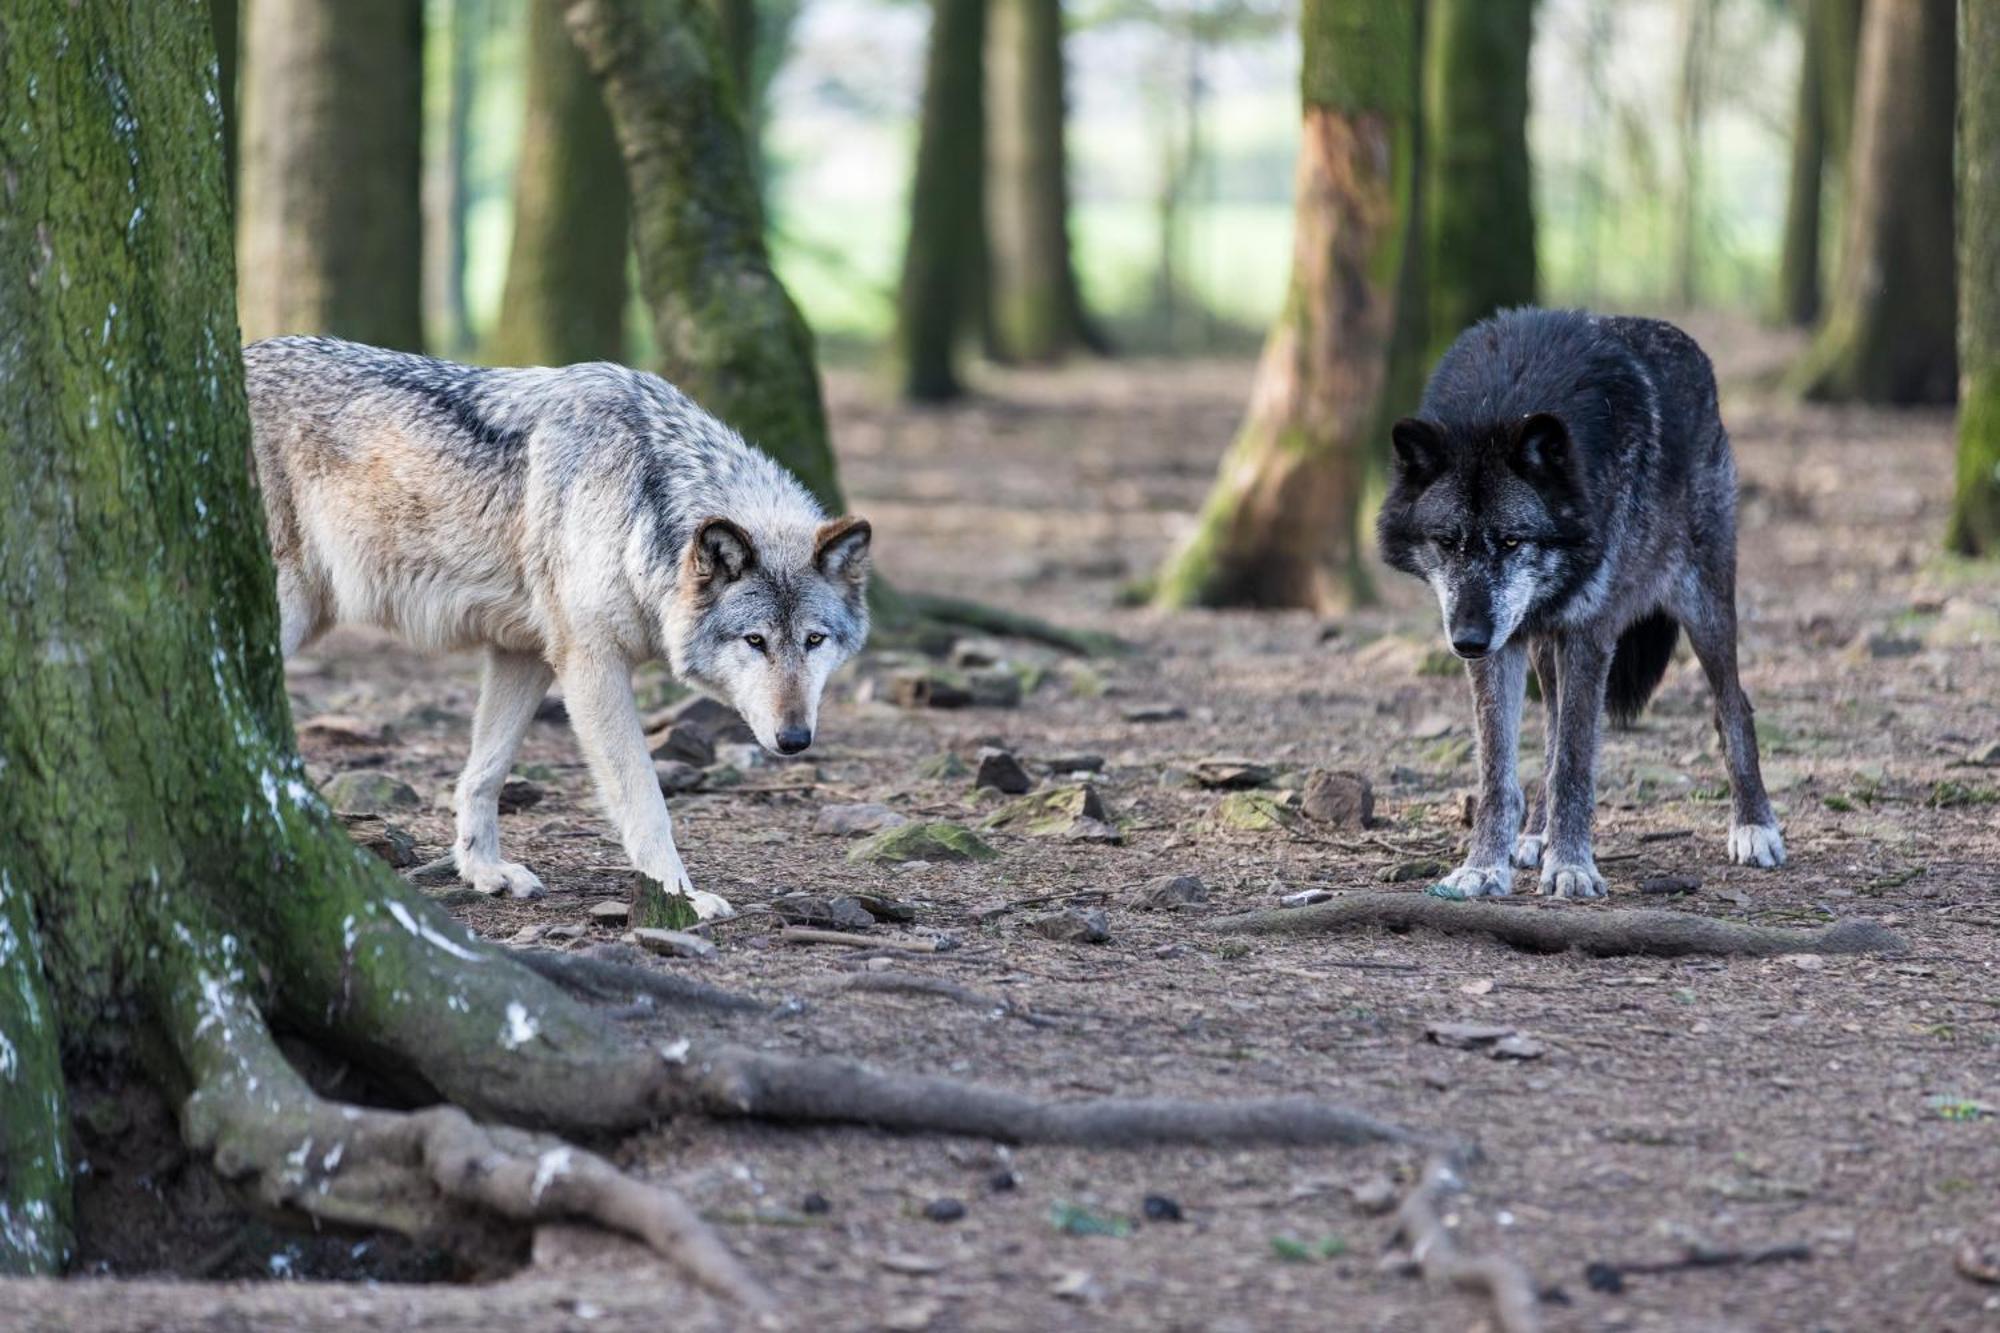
{"x": 1610, "y": 1278}
{"x": 1602, "y": 931}
{"x": 1421, "y": 1225}
{"x": 602, "y": 979}
{"x": 808, "y": 935}
{"x": 909, "y": 983}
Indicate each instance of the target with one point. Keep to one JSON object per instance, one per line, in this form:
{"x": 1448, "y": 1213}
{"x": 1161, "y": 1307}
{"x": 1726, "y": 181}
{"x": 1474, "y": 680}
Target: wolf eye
{"x": 1510, "y": 542}
{"x": 755, "y": 641}
{"x": 815, "y": 639}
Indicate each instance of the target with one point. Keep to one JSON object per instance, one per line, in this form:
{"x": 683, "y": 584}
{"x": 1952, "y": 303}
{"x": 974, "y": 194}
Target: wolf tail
{"x": 1638, "y": 665}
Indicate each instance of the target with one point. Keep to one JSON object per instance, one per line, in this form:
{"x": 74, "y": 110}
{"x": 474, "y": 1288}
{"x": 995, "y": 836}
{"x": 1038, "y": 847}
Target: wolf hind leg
{"x": 511, "y": 687}
{"x": 301, "y": 615}
{"x": 598, "y": 692}
{"x": 1534, "y": 839}
{"x": 1754, "y": 837}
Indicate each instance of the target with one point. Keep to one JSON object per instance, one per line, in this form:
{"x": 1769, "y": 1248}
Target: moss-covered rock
{"x": 1254, "y": 812}
{"x": 1051, "y": 813}
{"x": 922, "y": 842}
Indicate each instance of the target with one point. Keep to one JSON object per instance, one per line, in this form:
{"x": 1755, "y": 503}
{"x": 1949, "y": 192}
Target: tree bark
{"x": 1889, "y": 331}
{"x": 566, "y": 271}
{"x": 939, "y": 300}
{"x": 224, "y": 17}
{"x": 1478, "y": 197}
{"x": 330, "y": 232}
{"x": 445, "y": 194}
{"x": 1037, "y": 307}
{"x": 1280, "y": 527}
{"x": 1975, "y": 515}
{"x": 727, "y": 331}
{"x": 1822, "y": 118}
{"x": 1690, "y": 117}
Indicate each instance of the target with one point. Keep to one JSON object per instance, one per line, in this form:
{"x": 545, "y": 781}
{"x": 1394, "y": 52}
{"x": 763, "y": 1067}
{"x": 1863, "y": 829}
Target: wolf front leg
{"x": 509, "y": 689}
{"x": 1569, "y": 868}
{"x": 1534, "y": 839}
{"x": 597, "y": 690}
{"x": 1754, "y": 839}
{"x": 1498, "y": 684}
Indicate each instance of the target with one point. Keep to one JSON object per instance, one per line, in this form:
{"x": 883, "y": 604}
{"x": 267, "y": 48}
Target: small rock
{"x": 711, "y": 717}
{"x": 1804, "y": 962}
{"x": 1882, "y": 645}
{"x": 1094, "y": 830}
{"x": 518, "y": 794}
{"x": 566, "y": 931}
{"x": 815, "y": 1205}
{"x": 676, "y": 775}
{"x": 1050, "y": 813}
{"x": 341, "y": 729}
{"x": 1514, "y": 1046}
{"x": 370, "y": 792}
{"x": 1001, "y": 1181}
{"x": 910, "y": 1265}
{"x": 1465, "y": 1036}
{"x": 1253, "y": 812}
{"x": 1402, "y": 872}
{"x": 1001, "y": 771}
{"x": 672, "y": 943}
{"x": 1160, "y": 1208}
{"x": 1374, "y": 1194}
{"x": 1338, "y": 797}
{"x": 1155, "y": 712}
{"x": 528, "y": 934}
{"x": 1076, "y": 1284}
{"x": 1074, "y": 763}
{"x": 922, "y": 842}
{"x": 915, "y": 1317}
{"x": 968, "y": 653}
{"x": 882, "y": 909}
{"x": 944, "y": 1210}
{"x": 844, "y": 821}
{"x": 805, "y": 909}
{"x": 1305, "y": 898}
{"x": 942, "y": 768}
{"x": 1224, "y": 774}
{"x": 1072, "y": 925}
{"x": 1171, "y": 892}
{"x": 682, "y": 742}
{"x": 994, "y": 687}
{"x": 928, "y": 689}
{"x": 1432, "y": 727}
{"x": 1985, "y": 756}
{"x": 1669, "y": 884}
{"x": 391, "y": 842}
{"x": 610, "y": 912}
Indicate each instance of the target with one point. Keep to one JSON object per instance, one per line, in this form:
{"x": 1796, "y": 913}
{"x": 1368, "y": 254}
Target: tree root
{"x": 967, "y": 614}
{"x": 433, "y": 1174}
{"x": 1602, "y": 931}
{"x": 604, "y": 979}
{"x": 1435, "y": 1253}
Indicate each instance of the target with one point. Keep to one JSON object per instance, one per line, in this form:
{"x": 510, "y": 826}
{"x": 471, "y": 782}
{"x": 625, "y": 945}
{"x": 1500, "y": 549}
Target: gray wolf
{"x": 1568, "y": 490}
{"x": 570, "y": 523}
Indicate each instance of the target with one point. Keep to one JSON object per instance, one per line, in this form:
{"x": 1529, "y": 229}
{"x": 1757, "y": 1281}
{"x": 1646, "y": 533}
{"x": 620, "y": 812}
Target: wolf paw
{"x": 707, "y": 906}
{"x": 1481, "y": 881}
{"x": 1577, "y": 879}
{"x": 1528, "y": 850}
{"x": 501, "y": 879}
{"x": 1756, "y": 845}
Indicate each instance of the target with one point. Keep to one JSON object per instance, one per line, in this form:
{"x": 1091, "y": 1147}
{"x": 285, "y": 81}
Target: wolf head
{"x": 1488, "y": 515}
{"x": 762, "y": 622}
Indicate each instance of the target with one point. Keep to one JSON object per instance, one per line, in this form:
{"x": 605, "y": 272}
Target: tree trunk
{"x": 1889, "y": 332}
{"x": 329, "y": 227}
{"x": 1975, "y": 515}
{"x": 1822, "y": 119}
{"x": 566, "y": 272}
{"x": 445, "y": 195}
{"x": 1280, "y": 526}
{"x": 1037, "y": 308}
{"x": 944, "y": 257}
{"x": 1478, "y": 196}
{"x": 727, "y": 331}
{"x": 1690, "y": 117}
{"x": 223, "y": 17}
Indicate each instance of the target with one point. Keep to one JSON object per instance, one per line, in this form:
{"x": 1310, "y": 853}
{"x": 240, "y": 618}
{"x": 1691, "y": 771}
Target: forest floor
{"x": 1849, "y": 1105}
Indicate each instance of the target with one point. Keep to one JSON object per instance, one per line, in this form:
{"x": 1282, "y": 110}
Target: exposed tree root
{"x": 967, "y": 614}
{"x": 433, "y": 1174}
{"x": 1603, "y": 931}
{"x": 604, "y": 979}
{"x": 909, "y": 983}
{"x": 1434, "y": 1251}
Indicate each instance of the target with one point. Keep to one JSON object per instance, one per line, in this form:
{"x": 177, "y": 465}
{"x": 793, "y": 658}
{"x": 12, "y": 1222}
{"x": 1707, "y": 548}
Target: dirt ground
{"x": 1848, "y": 1105}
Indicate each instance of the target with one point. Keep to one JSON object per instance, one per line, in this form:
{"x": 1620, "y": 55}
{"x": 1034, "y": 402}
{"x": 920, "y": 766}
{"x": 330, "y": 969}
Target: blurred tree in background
{"x": 1975, "y": 516}
{"x": 1889, "y": 331}
{"x": 566, "y": 269}
{"x": 1280, "y": 527}
{"x": 1822, "y": 128}
{"x": 328, "y": 232}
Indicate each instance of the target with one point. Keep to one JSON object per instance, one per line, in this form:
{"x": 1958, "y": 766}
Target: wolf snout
{"x": 1469, "y": 646}
{"x": 791, "y": 740}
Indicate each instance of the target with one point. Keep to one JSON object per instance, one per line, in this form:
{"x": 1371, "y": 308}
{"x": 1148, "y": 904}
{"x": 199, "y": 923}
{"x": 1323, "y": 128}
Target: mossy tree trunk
{"x": 329, "y": 230}
{"x": 1280, "y": 526}
{"x": 941, "y": 297}
{"x": 1975, "y": 514}
{"x": 1478, "y": 193}
{"x": 727, "y": 331}
{"x": 1889, "y": 331}
{"x": 566, "y": 272}
{"x": 1822, "y": 117}
{"x": 225, "y": 17}
{"x": 1037, "y": 307}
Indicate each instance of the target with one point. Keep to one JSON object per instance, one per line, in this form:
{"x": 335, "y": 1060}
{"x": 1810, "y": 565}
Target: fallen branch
{"x": 1434, "y": 1251}
{"x": 810, "y": 935}
{"x": 602, "y": 979}
{"x": 1555, "y": 929}
{"x": 909, "y": 983}
{"x": 1610, "y": 1278}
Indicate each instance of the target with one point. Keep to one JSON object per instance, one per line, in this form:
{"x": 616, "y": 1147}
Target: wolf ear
{"x": 720, "y": 552}
{"x": 841, "y": 549}
{"x": 1419, "y": 449}
{"x": 1541, "y": 446}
